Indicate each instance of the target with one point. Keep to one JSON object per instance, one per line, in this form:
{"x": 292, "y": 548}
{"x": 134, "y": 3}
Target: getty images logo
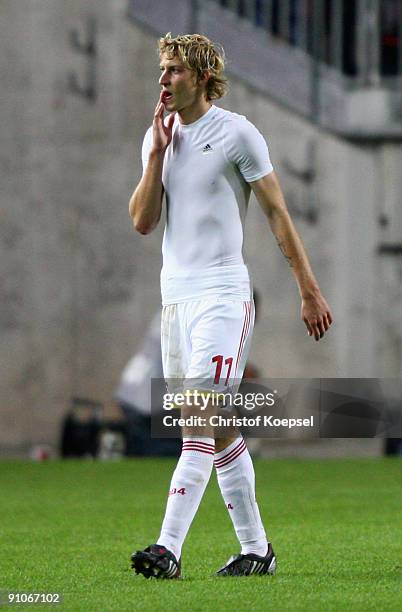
{"x": 207, "y": 149}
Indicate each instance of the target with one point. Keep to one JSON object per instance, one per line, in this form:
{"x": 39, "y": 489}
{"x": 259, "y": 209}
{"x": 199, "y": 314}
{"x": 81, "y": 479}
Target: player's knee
{"x": 222, "y": 443}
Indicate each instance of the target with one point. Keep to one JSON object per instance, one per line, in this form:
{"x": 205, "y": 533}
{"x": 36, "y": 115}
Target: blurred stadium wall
{"x": 79, "y": 287}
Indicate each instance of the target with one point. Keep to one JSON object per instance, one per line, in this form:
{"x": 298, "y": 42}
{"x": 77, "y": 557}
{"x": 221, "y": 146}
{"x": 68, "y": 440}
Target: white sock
{"x": 236, "y": 479}
{"x": 187, "y": 487}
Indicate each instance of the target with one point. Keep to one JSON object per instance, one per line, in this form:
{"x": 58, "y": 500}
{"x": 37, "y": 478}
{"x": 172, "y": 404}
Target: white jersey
{"x": 206, "y": 171}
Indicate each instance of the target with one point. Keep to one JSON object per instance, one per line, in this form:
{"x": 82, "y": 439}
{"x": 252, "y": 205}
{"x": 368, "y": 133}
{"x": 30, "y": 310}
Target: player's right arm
{"x": 145, "y": 204}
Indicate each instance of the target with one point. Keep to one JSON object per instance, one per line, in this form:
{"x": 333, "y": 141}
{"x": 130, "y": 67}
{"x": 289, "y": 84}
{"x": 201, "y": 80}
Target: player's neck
{"x": 194, "y": 112}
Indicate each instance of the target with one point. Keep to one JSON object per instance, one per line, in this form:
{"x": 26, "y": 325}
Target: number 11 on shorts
{"x": 218, "y": 359}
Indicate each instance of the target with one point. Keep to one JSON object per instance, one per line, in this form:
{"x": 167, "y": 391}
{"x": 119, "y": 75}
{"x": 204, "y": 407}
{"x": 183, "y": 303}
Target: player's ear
{"x": 204, "y": 78}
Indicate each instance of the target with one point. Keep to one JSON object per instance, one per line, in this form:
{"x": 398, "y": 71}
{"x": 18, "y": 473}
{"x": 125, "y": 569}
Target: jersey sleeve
{"x": 246, "y": 147}
{"x": 146, "y": 149}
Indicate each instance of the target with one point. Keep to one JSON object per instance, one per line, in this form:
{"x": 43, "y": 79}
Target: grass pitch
{"x": 335, "y": 524}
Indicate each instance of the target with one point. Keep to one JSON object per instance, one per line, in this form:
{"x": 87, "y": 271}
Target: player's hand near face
{"x": 316, "y": 315}
{"x": 145, "y": 204}
{"x": 162, "y": 134}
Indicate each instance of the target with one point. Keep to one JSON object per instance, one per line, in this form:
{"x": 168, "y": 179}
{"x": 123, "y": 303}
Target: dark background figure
{"x": 81, "y": 429}
{"x": 133, "y": 396}
{"x": 390, "y": 34}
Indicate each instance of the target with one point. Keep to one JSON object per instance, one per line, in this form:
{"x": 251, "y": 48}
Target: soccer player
{"x": 206, "y": 161}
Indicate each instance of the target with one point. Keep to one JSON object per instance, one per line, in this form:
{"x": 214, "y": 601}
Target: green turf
{"x": 335, "y": 524}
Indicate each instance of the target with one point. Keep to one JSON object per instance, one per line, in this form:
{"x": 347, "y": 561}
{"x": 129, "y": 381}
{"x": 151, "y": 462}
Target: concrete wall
{"x": 79, "y": 286}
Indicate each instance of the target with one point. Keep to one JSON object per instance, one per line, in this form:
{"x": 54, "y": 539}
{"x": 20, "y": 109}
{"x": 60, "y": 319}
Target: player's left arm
{"x": 315, "y": 311}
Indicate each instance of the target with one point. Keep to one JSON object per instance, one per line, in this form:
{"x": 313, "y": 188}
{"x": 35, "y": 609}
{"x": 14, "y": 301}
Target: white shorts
{"x": 207, "y": 341}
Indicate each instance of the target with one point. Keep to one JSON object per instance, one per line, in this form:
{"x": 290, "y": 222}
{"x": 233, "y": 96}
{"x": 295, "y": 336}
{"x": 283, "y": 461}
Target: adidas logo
{"x": 207, "y": 149}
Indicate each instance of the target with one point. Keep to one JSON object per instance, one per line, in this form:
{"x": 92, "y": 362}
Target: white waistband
{"x": 189, "y": 285}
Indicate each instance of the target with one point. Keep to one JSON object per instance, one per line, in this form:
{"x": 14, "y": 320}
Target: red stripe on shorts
{"x": 246, "y": 327}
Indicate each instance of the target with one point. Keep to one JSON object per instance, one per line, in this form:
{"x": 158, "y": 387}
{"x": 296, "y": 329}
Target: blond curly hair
{"x": 198, "y": 53}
